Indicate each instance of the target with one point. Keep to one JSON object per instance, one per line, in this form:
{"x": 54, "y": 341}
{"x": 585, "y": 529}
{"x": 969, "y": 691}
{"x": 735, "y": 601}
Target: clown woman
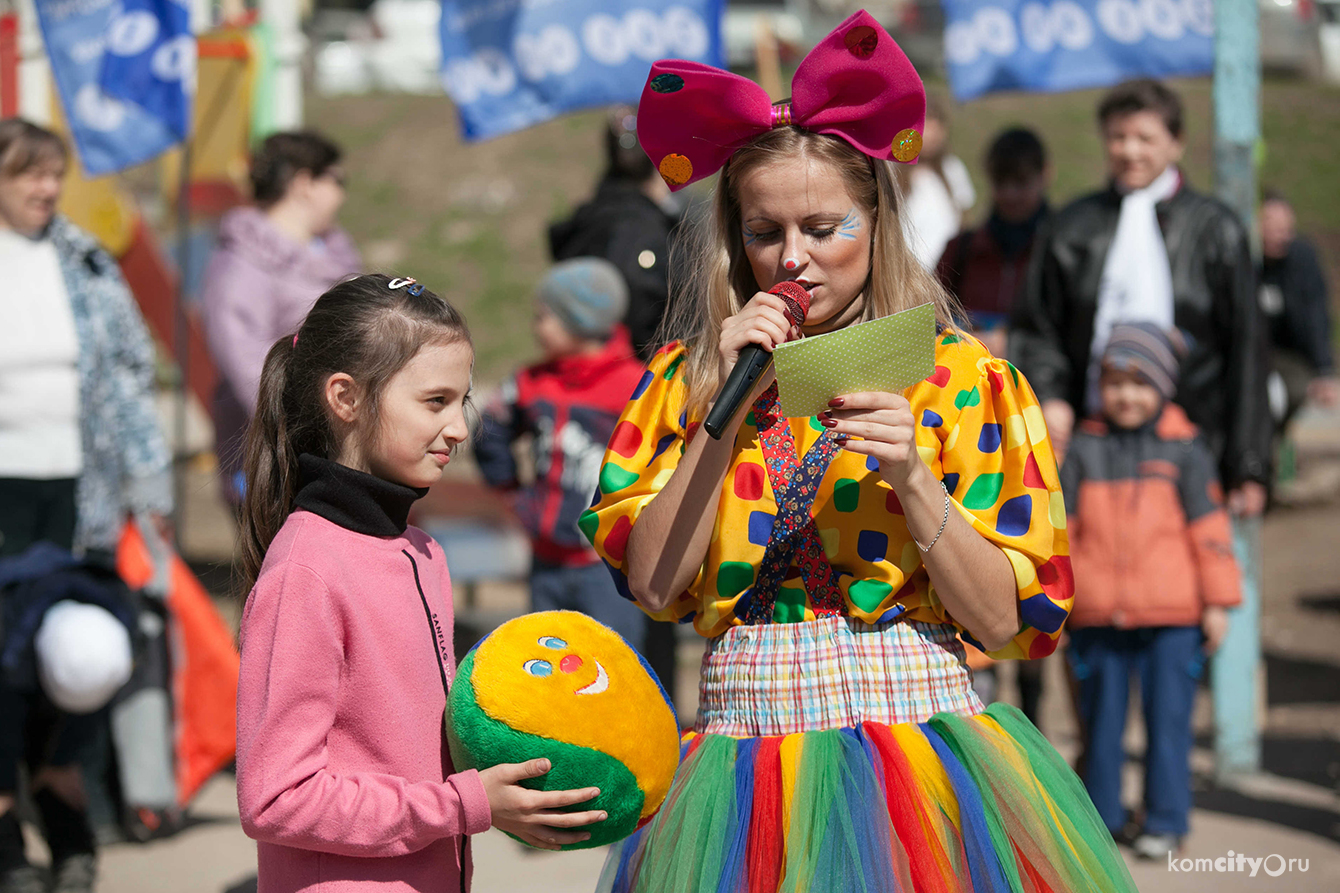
{"x": 834, "y": 562}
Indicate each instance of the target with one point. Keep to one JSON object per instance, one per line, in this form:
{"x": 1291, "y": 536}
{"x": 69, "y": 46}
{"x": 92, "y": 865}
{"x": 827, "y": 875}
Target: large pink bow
{"x": 856, "y": 84}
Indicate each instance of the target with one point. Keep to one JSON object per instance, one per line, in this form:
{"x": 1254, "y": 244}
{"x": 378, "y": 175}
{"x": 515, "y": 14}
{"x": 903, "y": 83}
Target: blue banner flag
{"x": 108, "y": 134}
{"x": 150, "y": 60}
{"x": 1053, "y": 45}
{"x": 509, "y": 64}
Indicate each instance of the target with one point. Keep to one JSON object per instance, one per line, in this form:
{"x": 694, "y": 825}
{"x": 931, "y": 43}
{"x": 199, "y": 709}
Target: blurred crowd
{"x": 1168, "y": 364}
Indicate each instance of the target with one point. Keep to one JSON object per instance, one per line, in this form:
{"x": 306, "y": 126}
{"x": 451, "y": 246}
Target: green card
{"x": 887, "y": 354}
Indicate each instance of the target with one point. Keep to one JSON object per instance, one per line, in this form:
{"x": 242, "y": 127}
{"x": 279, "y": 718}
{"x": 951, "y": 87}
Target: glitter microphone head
{"x": 796, "y": 299}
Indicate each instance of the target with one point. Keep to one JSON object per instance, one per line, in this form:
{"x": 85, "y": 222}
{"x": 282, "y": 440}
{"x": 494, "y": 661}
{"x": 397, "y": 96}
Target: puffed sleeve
{"x": 997, "y": 463}
{"x": 643, "y": 453}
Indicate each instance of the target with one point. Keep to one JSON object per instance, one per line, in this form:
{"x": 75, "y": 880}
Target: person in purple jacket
{"x": 343, "y": 773}
{"x": 272, "y": 261}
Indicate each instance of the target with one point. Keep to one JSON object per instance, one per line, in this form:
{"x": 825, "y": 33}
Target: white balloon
{"x": 83, "y": 656}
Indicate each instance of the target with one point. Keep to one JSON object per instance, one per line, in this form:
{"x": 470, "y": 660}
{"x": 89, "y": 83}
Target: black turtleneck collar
{"x": 353, "y": 499}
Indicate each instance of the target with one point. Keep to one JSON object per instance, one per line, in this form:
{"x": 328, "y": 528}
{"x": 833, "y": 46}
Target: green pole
{"x": 1236, "y": 669}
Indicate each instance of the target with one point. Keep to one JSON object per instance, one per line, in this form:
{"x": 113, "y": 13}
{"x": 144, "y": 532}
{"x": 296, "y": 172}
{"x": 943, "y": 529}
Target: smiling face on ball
{"x": 563, "y": 676}
{"x": 567, "y": 663}
{"x": 558, "y": 663}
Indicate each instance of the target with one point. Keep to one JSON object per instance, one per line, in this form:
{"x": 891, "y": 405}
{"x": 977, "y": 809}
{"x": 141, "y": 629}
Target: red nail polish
{"x": 836, "y": 402}
{"x": 840, "y": 440}
{"x": 828, "y": 423}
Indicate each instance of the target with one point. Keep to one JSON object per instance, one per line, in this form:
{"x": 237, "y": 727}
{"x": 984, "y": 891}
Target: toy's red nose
{"x": 570, "y": 664}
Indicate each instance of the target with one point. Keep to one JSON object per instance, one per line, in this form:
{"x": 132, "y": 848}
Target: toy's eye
{"x": 539, "y": 668}
{"x": 553, "y": 642}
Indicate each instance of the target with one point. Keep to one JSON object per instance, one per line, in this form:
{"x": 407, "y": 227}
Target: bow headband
{"x": 856, "y": 84}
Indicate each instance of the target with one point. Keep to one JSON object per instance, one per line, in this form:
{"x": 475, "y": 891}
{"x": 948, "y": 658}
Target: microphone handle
{"x": 752, "y": 362}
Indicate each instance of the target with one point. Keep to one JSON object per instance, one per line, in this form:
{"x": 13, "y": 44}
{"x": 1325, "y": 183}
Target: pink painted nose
{"x": 570, "y": 664}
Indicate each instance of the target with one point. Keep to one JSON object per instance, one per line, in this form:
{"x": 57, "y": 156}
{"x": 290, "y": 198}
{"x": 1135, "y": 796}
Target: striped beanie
{"x": 1146, "y": 349}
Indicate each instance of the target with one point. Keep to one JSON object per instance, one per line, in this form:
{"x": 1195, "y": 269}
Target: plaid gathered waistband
{"x": 833, "y": 672}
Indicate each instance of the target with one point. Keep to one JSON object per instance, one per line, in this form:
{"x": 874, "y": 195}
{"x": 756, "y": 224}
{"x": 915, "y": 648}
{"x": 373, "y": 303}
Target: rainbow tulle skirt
{"x": 954, "y": 801}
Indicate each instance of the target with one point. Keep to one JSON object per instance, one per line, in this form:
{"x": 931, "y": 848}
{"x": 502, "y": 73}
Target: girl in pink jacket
{"x": 343, "y": 773}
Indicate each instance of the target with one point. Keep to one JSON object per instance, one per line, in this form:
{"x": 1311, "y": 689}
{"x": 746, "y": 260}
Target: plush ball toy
{"x": 560, "y": 685}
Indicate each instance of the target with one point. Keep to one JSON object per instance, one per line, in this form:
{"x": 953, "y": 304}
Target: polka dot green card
{"x": 887, "y": 354}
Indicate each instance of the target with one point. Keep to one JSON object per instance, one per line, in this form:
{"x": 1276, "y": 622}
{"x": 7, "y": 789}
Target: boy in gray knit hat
{"x": 586, "y": 296}
{"x": 568, "y": 404}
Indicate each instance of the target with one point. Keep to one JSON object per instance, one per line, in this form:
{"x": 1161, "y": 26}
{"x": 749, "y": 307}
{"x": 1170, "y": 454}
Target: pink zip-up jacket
{"x": 343, "y": 774}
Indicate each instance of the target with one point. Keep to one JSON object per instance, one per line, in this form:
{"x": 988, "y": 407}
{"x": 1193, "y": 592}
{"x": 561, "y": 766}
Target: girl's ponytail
{"x": 368, "y": 327}
{"x": 270, "y": 463}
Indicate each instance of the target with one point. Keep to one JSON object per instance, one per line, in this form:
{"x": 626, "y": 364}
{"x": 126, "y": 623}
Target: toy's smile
{"x": 601, "y": 682}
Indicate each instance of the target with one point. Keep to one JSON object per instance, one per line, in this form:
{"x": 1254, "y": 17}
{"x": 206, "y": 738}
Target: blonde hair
{"x": 717, "y": 280}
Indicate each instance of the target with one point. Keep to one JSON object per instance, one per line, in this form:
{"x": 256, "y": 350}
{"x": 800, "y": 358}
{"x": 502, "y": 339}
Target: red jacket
{"x": 1149, "y": 538}
{"x": 569, "y": 407}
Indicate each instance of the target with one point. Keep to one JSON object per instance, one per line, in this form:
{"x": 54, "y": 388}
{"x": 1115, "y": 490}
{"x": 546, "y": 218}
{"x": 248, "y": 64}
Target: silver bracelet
{"x": 942, "y": 524}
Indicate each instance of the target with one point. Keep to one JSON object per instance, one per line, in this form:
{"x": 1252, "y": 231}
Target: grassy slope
{"x": 469, "y": 219}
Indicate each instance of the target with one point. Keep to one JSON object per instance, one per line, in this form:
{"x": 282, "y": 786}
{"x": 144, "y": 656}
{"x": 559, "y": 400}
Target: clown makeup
{"x": 805, "y": 225}
{"x": 749, "y": 235}
{"x": 850, "y": 225}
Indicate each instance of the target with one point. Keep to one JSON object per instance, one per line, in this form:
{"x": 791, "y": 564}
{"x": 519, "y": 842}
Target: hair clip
{"x": 295, "y": 339}
{"x": 416, "y": 289}
{"x": 399, "y": 283}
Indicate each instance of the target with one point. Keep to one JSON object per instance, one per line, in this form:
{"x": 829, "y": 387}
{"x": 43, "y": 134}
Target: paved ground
{"x": 1290, "y": 812}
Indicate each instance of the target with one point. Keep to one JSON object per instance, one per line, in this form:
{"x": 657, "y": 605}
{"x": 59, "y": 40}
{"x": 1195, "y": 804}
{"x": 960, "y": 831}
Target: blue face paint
{"x": 849, "y": 226}
{"x": 749, "y": 235}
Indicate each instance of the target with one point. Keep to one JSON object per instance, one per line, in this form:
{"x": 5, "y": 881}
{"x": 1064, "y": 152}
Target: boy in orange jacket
{"x": 1154, "y": 572}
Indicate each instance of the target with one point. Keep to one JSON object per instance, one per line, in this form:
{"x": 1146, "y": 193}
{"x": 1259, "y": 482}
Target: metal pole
{"x": 181, "y": 343}
{"x": 1236, "y": 669}
{"x": 34, "y": 70}
{"x": 284, "y": 19}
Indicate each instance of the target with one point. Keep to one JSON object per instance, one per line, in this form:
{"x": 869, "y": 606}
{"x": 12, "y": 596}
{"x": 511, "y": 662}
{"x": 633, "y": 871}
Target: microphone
{"x": 753, "y": 362}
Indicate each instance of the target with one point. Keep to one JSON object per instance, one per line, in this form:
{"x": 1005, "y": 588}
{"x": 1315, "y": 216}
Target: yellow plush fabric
{"x": 563, "y": 676}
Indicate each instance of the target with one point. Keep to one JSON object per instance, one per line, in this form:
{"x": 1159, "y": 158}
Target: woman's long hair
{"x": 717, "y": 280}
{"x": 360, "y": 327}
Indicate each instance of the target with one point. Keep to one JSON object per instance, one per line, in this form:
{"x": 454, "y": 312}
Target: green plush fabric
{"x": 478, "y": 741}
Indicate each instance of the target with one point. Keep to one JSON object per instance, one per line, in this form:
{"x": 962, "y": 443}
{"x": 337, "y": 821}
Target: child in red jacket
{"x": 568, "y": 404}
{"x": 1154, "y": 573}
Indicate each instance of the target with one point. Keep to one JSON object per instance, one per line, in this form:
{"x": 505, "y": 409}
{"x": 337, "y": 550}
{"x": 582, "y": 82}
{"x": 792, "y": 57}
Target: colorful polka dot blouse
{"x": 979, "y": 428}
